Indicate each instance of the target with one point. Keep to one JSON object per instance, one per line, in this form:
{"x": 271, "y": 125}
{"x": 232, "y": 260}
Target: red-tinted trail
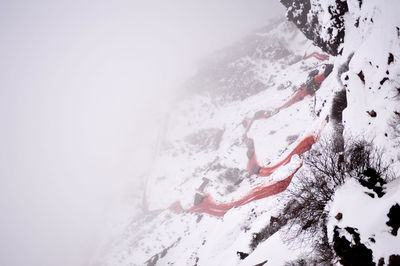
{"x": 319, "y": 56}
{"x": 303, "y": 146}
{"x": 298, "y": 96}
{"x": 210, "y": 206}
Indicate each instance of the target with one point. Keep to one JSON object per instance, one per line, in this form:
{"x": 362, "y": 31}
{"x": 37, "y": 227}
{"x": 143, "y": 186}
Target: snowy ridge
{"x": 190, "y": 152}
{"x": 206, "y": 138}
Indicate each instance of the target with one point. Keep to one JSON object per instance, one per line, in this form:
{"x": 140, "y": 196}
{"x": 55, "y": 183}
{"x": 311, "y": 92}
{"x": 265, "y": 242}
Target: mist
{"x": 83, "y": 88}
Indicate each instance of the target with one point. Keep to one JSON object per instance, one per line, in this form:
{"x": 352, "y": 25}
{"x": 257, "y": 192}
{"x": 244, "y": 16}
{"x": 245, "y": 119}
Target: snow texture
{"x": 203, "y": 138}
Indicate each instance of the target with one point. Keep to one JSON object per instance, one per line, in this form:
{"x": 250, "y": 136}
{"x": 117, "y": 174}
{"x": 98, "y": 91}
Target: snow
{"x": 368, "y": 215}
{"x": 201, "y": 239}
{"x": 371, "y": 44}
{"x": 274, "y": 250}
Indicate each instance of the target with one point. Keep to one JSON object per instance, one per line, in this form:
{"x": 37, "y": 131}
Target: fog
{"x": 83, "y": 86}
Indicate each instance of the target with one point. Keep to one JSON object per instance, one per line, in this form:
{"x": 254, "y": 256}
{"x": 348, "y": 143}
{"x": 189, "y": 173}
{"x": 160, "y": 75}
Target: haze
{"x": 83, "y": 86}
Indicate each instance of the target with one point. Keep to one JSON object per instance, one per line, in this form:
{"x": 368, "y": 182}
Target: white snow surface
{"x": 188, "y": 153}
{"x": 368, "y": 215}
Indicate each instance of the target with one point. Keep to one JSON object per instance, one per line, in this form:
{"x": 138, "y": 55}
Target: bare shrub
{"x": 365, "y": 162}
{"x": 316, "y": 184}
{"x": 275, "y": 224}
{"x": 299, "y": 262}
{"x": 304, "y": 216}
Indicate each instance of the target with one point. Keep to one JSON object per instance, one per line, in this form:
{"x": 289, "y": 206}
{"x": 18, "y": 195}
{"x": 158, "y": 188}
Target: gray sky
{"x": 81, "y": 85}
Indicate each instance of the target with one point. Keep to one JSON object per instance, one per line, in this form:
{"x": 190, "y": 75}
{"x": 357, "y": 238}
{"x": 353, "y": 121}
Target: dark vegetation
{"x": 299, "y": 262}
{"x": 365, "y": 163}
{"x": 274, "y": 225}
{"x": 304, "y": 216}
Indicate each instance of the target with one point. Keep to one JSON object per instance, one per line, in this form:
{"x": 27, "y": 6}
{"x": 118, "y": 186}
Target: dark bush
{"x": 372, "y": 180}
{"x": 305, "y": 214}
{"x": 364, "y": 162}
{"x": 325, "y": 170}
{"x": 275, "y": 224}
{"x": 299, "y": 262}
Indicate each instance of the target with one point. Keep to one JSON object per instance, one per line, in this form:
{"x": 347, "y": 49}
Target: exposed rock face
{"x": 351, "y": 252}
{"x": 394, "y": 218}
{"x": 310, "y": 17}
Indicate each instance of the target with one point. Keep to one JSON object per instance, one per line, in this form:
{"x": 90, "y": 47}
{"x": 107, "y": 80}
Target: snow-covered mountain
{"x": 271, "y": 157}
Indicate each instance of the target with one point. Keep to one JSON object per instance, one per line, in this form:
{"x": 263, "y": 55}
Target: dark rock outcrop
{"x": 351, "y": 252}
{"x": 394, "y": 218}
{"x": 307, "y": 18}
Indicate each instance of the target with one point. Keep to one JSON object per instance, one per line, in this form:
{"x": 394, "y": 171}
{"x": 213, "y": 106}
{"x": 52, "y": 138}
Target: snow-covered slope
{"x": 207, "y": 137}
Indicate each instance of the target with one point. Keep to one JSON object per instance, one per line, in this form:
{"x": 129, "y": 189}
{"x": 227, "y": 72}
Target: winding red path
{"x": 210, "y": 206}
{"x": 303, "y": 146}
{"x": 319, "y": 56}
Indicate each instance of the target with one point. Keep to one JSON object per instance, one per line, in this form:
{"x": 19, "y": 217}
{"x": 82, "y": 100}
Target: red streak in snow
{"x": 301, "y": 148}
{"x": 317, "y": 55}
{"x": 297, "y": 97}
{"x": 208, "y": 205}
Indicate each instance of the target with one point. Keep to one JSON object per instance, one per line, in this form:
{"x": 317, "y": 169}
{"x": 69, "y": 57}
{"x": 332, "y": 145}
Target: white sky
{"x": 81, "y": 83}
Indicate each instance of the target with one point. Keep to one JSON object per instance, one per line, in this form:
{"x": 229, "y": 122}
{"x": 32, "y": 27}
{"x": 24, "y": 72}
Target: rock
{"x": 351, "y": 251}
{"x": 384, "y": 80}
{"x": 305, "y": 15}
{"x": 390, "y": 58}
{"x": 362, "y": 77}
{"x": 242, "y": 255}
{"x": 394, "y": 218}
{"x": 339, "y": 216}
{"x": 372, "y": 113}
{"x": 394, "y": 260}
